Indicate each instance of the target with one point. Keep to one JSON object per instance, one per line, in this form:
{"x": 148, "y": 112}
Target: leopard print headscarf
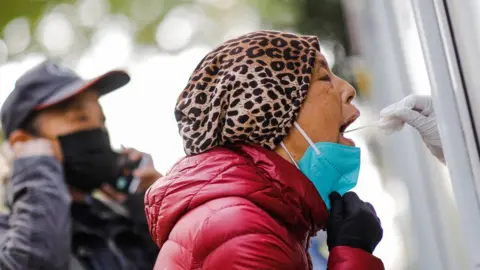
{"x": 249, "y": 89}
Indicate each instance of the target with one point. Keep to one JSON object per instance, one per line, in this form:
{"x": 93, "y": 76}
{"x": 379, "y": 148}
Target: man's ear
{"x": 19, "y": 136}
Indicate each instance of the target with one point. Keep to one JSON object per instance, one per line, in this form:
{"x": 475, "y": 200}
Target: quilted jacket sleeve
{"x": 238, "y": 235}
{"x": 347, "y": 258}
{"x": 254, "y": 251}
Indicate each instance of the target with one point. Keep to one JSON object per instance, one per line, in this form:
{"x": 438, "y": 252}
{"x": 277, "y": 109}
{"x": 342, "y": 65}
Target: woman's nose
{"x": 348, "y": 92}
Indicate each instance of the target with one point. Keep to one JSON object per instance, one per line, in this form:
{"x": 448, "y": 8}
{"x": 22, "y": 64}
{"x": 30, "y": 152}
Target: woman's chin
{"x": 345, "y": 141}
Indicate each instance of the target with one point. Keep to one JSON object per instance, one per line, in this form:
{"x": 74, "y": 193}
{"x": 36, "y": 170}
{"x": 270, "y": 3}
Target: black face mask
{"x": 89, "y": 160}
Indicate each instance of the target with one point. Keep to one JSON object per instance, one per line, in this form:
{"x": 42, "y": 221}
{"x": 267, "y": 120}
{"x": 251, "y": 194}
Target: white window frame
{"x": 456, "y": 97}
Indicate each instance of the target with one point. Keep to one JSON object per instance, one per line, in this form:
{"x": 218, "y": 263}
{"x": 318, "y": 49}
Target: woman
{"x": 254, "y": 187}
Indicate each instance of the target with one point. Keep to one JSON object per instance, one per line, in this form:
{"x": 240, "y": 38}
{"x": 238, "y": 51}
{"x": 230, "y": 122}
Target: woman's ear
{"x": 19, "y": 136}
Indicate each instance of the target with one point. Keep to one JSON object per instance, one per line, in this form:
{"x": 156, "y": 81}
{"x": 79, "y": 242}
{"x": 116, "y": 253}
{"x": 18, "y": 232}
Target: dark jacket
{"x": 104, "y": 239}
{"x": 242, "y": 207}
{"x": 44, "y": 231}
{"x": 36, "y": 233}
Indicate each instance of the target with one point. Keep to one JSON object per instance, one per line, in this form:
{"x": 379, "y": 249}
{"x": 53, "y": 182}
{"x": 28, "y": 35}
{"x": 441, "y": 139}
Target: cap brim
{"x": 104, "y": 84}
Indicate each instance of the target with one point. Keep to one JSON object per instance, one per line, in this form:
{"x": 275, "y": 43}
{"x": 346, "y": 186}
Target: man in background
{"x": 56, "y": 127}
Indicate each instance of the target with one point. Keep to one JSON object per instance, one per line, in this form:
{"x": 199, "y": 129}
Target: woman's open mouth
{"x": 341, "y": 138}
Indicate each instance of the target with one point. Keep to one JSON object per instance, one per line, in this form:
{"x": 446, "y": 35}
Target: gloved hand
{"x": 353, "y": 223}
{"x": 418, "y": 112}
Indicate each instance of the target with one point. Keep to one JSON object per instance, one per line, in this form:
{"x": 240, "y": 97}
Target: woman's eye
{"x": 325, "y": 78}
{"x": 82, "y": 118}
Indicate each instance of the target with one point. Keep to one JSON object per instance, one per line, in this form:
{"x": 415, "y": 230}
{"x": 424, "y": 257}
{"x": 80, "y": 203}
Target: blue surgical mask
{"x": 330, "y": 166}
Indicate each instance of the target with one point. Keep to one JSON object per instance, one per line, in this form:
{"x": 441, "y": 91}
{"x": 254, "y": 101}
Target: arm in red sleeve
{"x": 254, "y": 251}
{"x": 347, "y": 258}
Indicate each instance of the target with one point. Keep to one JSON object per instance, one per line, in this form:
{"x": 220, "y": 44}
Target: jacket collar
{"x": 298, "y": 192}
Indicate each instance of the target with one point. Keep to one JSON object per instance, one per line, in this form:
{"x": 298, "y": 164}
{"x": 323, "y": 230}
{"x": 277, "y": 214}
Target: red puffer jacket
{"x": 240, "y": 208}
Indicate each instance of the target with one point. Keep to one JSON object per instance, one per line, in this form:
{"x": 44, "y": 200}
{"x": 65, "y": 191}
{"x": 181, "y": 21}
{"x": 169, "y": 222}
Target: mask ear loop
{"x": 312, "y": 144}
{"x": 288, "y": 153}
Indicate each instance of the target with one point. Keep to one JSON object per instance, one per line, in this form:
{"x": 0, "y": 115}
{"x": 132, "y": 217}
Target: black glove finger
{"x": 380, "y": 235}
{"x": 376, "y": 230}
{"x": 370, "y": 207}
{"x": 334, "y": 196}
{"x": 336, "y": 205}
{"x": 351, "y": 203}
{"x": 377, "y": 237}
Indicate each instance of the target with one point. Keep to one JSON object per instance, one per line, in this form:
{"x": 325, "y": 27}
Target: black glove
{"x": 353, "y": 223}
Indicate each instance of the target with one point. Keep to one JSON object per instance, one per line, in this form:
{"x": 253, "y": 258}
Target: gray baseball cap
{"x": 48, "y": 84}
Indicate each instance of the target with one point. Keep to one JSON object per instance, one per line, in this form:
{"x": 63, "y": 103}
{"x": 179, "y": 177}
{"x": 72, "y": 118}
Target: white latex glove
{"x": 418, "y": 112}
{"x": 31, "y": 148}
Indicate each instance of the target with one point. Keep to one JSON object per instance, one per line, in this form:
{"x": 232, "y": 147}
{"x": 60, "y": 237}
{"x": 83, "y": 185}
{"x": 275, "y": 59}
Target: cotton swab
{"x": 361, "y": 127}
{"x": 389, "y": 125}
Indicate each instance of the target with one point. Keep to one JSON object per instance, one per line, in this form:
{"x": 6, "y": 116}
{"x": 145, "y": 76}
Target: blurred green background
{"x": 319, "y": 17}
